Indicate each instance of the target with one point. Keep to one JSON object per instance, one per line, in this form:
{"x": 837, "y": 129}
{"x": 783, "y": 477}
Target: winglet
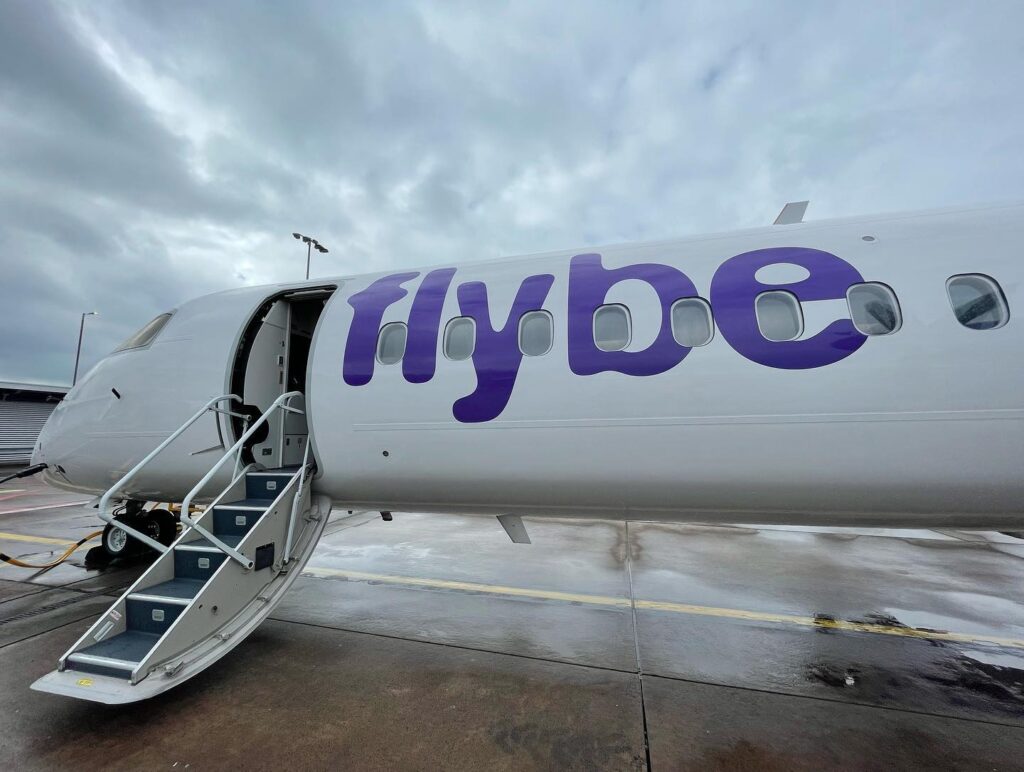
{"x": 791, "y": 213}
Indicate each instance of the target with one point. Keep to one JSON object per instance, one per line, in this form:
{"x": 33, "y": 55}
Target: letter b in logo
{"x": 589, "y": 283}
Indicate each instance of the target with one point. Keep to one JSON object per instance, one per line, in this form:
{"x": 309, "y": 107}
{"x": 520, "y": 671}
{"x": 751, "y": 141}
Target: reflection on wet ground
{"x": 434, "y": 641}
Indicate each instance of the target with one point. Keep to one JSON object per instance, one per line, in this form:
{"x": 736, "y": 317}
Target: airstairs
{"x": 206, "y": 592}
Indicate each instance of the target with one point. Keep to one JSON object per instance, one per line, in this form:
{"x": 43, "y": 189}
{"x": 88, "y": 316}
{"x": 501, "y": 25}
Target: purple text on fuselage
{"x": 497, "y": 358}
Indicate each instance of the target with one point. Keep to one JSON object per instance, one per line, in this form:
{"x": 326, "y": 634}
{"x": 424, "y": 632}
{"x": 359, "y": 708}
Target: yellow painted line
{"x": 493, "y": 589}
{"x": 37, "y": 539}
{"x": 829, "y": 624}
{"x": 666, "y": 606}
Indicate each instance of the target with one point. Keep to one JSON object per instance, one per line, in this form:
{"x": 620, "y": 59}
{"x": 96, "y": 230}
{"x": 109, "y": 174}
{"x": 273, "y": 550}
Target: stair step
{"x": 151, "y": 616}
{"x": 158, "y": 598}
{"x": 116, "y": 656}
{"x": 183, "y": 589}
{"x": 199, "y": 563}
{"x": 248, "y": 504}
{"x": 266, "y": 486}
{"x": 229, "y": 520}
{"x": 206, "y": 546}
{"x": 108, "y": 666}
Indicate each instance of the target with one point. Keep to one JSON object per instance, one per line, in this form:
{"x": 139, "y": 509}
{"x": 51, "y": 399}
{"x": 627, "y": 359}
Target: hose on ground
{"x": 58, "y": 561}
{"x": 23, "y": 473}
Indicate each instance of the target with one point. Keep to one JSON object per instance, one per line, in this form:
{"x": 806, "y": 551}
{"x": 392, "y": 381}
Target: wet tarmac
{"x": 434, "y": 642}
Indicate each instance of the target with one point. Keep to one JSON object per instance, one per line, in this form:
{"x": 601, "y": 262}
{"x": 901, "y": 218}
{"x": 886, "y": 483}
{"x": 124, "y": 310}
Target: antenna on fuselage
{"x": 792, "y": 213}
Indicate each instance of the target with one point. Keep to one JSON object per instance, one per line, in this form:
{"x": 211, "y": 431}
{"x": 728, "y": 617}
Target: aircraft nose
{"x": 61, "y": 445}
{"x": 38, "y": 456}
{"x": 42, "y": 452}
{"x": 53, "y": 440}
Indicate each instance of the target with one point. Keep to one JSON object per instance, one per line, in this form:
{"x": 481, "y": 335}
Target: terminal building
{"x": 24, "y": 408}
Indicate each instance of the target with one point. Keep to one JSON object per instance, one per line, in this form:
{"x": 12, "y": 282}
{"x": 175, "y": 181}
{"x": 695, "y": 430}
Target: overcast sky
{"x": 155, "y": 151}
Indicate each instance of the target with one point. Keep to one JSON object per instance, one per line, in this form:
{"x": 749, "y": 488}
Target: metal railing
{"x": 281, "y": 403}
{"x": 295, "y": 504}
{"x": 108, "y": 517}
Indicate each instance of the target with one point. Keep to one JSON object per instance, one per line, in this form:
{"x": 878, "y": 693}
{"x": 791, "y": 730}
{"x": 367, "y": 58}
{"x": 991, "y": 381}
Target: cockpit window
{"x": 145, "y": 336}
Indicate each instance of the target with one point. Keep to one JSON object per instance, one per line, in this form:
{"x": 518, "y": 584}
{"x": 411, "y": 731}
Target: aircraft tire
{"x": 158, "y": 524}
{"x": 117, "y": 543}
{"x": 166, "y": 526}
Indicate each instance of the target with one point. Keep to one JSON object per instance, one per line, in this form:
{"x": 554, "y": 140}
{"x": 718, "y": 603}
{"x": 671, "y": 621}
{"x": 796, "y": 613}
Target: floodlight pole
{"x": 78, "y": 352}
{"x": 310, "y": 243}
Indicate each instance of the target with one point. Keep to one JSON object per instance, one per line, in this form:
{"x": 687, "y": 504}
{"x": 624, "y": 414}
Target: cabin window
{"x": 146, "y": 335}
{"x": 611, "y": 327}
{"x": 535, "y": 333}
{"x": 779, "y": 316}
{"x": 391, "y": 343}
{"x": 978, "y": 301}
{"x": 460, "y": 338}
{"x": 874, "y": 309}
{"x": 692, "y": 323}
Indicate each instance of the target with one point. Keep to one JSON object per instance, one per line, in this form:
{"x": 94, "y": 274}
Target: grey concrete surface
{"x": 302, "y": 697}
{"x": 434, "y": 642}
{"x": 694, "y": 726}
{"x": 962, "y": 585}
{"x": 585, "y": 558}
{"x": 27, "y": 616}
{"x": 9, "y": 590}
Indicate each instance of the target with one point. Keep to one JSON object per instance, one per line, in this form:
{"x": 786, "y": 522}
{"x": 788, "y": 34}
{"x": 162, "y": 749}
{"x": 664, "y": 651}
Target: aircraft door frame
{"x": 262, "y": 371}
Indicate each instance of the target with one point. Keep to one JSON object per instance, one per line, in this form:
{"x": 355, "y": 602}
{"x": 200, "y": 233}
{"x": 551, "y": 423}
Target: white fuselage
{"x": 923, "y": 426}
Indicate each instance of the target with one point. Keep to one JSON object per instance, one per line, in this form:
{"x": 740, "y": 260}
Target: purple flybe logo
{"x": 496, "y": 357}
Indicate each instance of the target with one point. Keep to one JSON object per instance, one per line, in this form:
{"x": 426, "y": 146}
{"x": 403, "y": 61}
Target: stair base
{"x": 130, "y": 646}
{"x": 118, "y": 691}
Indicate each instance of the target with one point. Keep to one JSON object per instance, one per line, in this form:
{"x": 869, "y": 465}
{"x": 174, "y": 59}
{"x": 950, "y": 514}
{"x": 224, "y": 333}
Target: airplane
{"x": 862, "y": 371}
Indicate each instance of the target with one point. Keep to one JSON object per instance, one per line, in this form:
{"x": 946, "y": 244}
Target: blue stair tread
{"x": 130, "y": 645}
{"x": 231, "y": 539}
{"x": 176, "y": 588}
{"x": 261, "y": 503}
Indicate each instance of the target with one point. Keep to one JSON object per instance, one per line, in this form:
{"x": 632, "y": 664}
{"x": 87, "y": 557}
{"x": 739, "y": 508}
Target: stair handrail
{"x": 108, "y": 517}
{"x": 279, "y": 403}
{"x": 295, "y": 505}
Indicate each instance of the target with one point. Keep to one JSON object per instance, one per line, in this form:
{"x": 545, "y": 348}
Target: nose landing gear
{"x": 159, "y": 524}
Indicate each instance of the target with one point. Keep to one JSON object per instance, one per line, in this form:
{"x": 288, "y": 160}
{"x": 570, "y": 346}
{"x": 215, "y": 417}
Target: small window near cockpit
{"x": 978, "y": 301}
{"x": 391, "y": 343}
{"x": 692, "y": 323}
{"x": 779, "y": 316}
{"x": 146, "y": 335}
{"x": 874, "y": 309}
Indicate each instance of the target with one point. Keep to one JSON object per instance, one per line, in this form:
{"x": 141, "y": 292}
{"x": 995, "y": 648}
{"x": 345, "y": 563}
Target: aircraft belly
{"x": 826, "y": 471}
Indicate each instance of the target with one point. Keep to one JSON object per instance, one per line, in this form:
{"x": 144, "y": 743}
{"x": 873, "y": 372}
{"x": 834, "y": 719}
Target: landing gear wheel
{"x": 117, "y": 543}
{"x": 157, "y": 524}
{"x": 164, "y": 524}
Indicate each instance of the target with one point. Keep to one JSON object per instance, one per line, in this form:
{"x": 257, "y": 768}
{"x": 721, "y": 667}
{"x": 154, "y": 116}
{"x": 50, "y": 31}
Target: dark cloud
{"x": 151, "y": 152}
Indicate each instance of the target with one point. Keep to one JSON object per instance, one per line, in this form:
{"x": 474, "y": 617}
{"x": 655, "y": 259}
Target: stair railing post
{"x": 280, "y": 403}
{"x": 108, "y": 516}
{"x": 295, "y": 505}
